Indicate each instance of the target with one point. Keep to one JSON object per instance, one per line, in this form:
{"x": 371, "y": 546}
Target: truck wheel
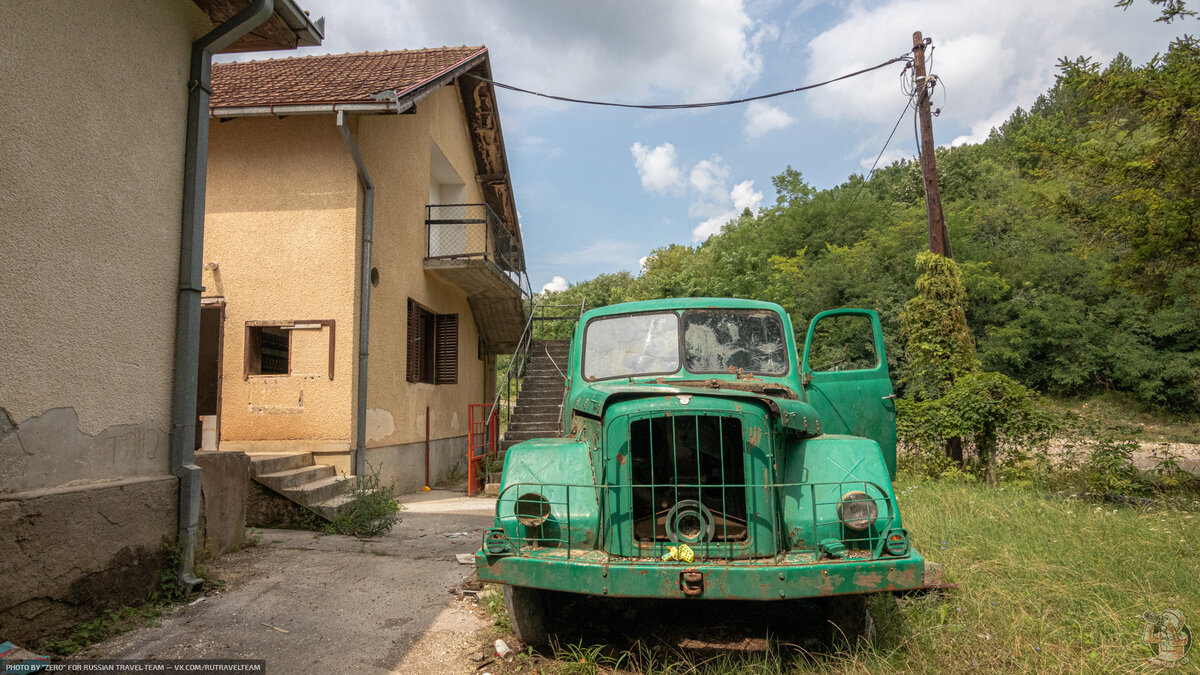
{"x": 848, "y": 620}
{"x": 526, "y": 614}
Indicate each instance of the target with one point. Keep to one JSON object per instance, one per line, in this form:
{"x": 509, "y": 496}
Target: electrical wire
{"x": 881, "y": 151}
{"x": 686, "y": 106}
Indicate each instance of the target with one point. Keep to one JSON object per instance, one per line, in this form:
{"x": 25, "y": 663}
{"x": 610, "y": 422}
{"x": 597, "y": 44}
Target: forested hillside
{"x": 1076, "y": 226}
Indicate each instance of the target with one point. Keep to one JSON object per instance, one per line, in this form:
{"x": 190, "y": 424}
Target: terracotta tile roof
{"x": 332, "y": 78}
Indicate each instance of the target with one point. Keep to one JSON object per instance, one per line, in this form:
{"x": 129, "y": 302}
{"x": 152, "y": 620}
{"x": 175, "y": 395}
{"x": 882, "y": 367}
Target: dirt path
{"x": 336, "y": 604}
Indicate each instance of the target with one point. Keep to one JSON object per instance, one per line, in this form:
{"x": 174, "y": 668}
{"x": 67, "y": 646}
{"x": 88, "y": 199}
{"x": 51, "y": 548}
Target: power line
{"x": 882, "y": 150}
{"x": 685, "y": 106}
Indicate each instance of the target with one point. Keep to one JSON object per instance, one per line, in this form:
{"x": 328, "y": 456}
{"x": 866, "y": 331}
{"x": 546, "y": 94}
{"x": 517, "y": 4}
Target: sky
{"x": 598, "y": 188}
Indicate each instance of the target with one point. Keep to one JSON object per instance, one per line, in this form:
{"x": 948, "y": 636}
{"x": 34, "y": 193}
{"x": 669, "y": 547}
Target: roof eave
{"x": 308, "y": 33}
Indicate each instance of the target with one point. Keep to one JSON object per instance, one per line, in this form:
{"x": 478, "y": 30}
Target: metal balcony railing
{"x": 472, "y": 231}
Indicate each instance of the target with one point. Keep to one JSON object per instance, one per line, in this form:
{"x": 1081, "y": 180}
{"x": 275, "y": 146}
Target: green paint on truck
{"x": 700, "y": 458}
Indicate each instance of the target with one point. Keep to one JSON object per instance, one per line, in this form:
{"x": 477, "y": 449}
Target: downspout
{"x": 191, "y": 260}
{"x": 358, "y": 459}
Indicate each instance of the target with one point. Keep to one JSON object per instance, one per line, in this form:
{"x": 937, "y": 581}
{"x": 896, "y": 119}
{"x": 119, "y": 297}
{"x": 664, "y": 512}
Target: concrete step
{"x": 538, "y": 425}
{"x": 536, "y": 407}
{"x": 545, "y": 372}
{"x": 544, "y": 386}
{"x": 535, "y": 414}
{"x": 516, "y": 435}
{"x": 274, "y": 462}
{"x": 320, "y": 490}
{"x": 282, "y": 480}
{"x": 330, "y": 508}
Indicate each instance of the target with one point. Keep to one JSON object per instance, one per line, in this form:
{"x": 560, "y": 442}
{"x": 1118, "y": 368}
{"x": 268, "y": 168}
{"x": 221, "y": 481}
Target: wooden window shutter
{"x": 413, "y": 370}
{"x": 447, "y": 349}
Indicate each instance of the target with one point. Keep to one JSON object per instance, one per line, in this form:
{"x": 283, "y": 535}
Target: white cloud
{"x": 981, "y": 129}
{"x": 990, "y": 56}
{"x": 657, "y": 168}
{"x": 745, "y": 197}
{"x": 763, "y": 118}
{"x": 642, "y": 262}
{"x": 627, "y": 50}
{"x": 707, "y": 187}
{"x": 556, "y": 284}
{"x": 712, "y": 225}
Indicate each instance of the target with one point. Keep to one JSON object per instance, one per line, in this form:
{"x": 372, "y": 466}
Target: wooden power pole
{"x": 939, "y": 238}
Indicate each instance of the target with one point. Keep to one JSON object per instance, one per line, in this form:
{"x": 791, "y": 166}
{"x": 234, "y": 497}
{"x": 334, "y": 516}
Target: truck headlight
{"x": 532, "y": 509}
{"x": 857, "y": 510}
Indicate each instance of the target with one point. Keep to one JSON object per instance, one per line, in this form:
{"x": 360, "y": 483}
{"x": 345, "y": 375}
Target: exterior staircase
{"x": 538, "y": 413}
{"x": 315, "y": 487}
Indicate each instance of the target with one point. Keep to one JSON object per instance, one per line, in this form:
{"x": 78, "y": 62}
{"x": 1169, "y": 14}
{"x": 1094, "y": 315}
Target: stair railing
{"x": 516, "y": 365}
{"x": 520, "y": 359}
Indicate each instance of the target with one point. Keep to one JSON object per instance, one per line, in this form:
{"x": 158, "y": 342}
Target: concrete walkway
{"x": 334, "y": 604}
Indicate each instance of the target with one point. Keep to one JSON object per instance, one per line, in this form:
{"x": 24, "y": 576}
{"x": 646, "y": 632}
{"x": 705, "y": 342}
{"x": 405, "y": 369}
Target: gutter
{"x": 311, "y": 109}
{"x": 358, "y": 459}
{"x": 191, "y": 249}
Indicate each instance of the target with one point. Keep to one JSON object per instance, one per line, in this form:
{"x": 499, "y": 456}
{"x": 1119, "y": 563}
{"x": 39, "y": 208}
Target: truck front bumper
{"x": 596, "y": 574}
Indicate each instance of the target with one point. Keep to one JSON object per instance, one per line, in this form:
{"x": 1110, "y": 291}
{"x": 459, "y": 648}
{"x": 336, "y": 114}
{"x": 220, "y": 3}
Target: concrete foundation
{"x": 404, "y": 465}
{"x": 223, "y": 495}
{"x": 70, "y": 553}
{"x": 267, "y": 508}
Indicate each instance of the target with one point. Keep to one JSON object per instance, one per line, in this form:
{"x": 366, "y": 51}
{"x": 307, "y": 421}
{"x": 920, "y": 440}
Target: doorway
{"x": 209, "y": 371}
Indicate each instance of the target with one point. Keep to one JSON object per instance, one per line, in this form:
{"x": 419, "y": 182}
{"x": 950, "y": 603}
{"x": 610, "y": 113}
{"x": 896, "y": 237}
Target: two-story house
{"x": 363, "y": 260}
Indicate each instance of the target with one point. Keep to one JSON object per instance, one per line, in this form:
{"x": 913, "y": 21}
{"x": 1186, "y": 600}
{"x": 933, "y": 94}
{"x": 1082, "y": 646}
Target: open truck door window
{"x": 847, "y": 378}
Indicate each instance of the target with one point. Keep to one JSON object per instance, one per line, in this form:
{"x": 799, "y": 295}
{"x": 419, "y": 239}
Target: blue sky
{"x": 599, "y": 188}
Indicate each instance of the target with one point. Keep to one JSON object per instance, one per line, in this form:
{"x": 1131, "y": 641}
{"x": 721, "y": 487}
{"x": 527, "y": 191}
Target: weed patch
{"x": 371, "y": 510}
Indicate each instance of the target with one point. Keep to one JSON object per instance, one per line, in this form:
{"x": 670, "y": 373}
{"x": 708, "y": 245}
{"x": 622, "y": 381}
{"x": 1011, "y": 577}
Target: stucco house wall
{"x": 90, "y": 205}
{"x": 281, "y": 224}
{"x": 91, "y": 198}
{"x": 397, "y": 150}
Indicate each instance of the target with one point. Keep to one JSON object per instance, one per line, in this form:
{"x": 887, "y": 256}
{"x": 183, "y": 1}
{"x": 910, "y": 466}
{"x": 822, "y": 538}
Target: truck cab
{"x": 702, "y": 457}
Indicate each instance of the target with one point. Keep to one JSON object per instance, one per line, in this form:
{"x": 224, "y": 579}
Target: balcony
{"x": 469, "y": 246}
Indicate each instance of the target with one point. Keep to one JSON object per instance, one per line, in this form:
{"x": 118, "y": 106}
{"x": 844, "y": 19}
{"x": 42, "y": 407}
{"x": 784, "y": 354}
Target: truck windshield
{"x": 633, "y": 344}
{"x": 727, "y": 340}
{"x": 714, "y": 341}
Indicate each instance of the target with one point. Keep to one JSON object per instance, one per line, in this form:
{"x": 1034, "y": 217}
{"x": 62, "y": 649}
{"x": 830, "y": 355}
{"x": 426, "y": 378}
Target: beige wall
{"x": 281, "y": 224}
{"x": 396, "y": 149}
{"x": 93, "y": 132}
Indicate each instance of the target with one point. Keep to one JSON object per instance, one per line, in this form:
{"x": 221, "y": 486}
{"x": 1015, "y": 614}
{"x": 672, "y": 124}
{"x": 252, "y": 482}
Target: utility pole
{"x": 939, "y": 237}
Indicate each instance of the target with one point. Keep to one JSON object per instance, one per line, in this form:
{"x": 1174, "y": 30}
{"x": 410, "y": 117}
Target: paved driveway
{"x": 334, "y": 604}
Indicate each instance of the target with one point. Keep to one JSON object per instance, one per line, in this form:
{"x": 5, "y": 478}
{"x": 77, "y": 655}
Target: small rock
{"x": 477, "y": 656}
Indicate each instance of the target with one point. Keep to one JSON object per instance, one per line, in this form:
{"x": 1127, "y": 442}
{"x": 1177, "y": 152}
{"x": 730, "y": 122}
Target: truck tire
{"x": 526, "y": 614}
{"x": 848, "y": 621}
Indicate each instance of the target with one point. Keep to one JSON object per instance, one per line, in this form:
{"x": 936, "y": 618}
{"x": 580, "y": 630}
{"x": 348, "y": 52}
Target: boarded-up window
{"x": 268, "y": 350}
{"x": 432, "y": 346}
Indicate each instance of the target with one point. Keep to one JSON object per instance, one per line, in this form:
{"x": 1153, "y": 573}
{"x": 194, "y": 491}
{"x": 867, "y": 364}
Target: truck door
{"x": 846, "y": 378}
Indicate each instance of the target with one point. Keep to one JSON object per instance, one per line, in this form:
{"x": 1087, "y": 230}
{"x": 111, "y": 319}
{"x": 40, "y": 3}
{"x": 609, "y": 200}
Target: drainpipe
{"x": 191, "y": 256}
{"x": 358, "y": 459}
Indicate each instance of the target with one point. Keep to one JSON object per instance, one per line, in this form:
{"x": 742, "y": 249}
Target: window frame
{"x": 289, "y": 326}
{"x": 432, "y": 346}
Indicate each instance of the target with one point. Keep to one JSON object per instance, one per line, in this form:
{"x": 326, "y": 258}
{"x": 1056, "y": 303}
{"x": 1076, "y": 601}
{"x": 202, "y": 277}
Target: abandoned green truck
{"x": 698, "y": 460}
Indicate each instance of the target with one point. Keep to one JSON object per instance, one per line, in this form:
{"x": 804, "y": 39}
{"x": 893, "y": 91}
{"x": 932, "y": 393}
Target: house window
{"x": 432, "y": 346}
{"x": 268, "y": 350}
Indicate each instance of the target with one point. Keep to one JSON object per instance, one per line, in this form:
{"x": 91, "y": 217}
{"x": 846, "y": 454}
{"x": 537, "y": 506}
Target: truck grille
{"x": 689, "y": 480}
